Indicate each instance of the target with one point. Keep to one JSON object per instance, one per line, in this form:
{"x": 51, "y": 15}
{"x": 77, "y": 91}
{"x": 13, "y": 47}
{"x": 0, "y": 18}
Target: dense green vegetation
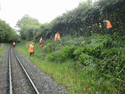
{"x": 7, "y": 34}
{"x": 84, "y": 20}
{"x": 92, "y": 65}
{"x": 85, "y": 60}
{"x": 29, "y": 26}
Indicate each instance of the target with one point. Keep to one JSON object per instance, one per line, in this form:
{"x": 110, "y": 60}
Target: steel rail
{"x": 30, "y": 80}
{"x": 10, "y": 77}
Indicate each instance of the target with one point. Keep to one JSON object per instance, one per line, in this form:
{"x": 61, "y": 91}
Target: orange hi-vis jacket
{"x": 108, "y": 25}
{"x": 31, "y": 48}
{"x": 13, "y": 43}
{"x": 57, "y": 37}
{"x": 40, "y": 40}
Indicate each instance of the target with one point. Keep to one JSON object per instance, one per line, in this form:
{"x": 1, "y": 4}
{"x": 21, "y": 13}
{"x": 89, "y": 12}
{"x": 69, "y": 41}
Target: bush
{"x": 47, "y": 48}
{"x": 73, "y": 41}
{"x": 61, "y": 55}
{"x": 51, "y": 57}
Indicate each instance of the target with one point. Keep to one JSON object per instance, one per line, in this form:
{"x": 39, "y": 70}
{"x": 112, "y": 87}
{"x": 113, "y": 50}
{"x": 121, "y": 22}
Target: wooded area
{"x": 7, "y": 34}
{"x": 84, "y": 20}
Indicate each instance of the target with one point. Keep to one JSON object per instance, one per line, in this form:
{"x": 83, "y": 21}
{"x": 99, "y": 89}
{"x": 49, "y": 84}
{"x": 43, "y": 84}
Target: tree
{"x": 7, "y": 34}
{"x": 28, "y": 27}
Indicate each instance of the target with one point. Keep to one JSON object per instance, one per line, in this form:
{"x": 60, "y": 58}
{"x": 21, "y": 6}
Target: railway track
{"x": 18, "y": 83}
{"x": 19, "y": 80}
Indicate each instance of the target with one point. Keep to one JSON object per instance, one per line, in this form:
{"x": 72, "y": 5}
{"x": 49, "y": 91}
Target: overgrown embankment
{"x": 92, "y": 65}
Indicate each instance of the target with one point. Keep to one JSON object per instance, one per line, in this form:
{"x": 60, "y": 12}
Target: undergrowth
{"x": 93, "y": 65}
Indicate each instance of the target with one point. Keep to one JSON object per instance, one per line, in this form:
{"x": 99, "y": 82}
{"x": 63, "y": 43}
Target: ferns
{"x": 99, "y": 57}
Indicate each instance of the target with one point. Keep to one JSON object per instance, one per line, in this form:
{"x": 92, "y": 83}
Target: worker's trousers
{"x": 108, "y": 31}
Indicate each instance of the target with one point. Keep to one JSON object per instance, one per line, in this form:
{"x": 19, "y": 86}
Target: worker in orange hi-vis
{"x": 108, "y": 26}
{"x": 31, "y": 49}
{"x": 57, "y": 36}
{"x": 41, "y": 42}
{"x": 14, "y": 44}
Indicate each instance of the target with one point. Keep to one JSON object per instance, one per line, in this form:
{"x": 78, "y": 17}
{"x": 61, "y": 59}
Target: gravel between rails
{"x": 19, "y": 81}
{"x": 43, "y": 82}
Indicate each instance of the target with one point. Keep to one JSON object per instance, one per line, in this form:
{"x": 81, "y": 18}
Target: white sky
{"x": 43, "y": 10}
